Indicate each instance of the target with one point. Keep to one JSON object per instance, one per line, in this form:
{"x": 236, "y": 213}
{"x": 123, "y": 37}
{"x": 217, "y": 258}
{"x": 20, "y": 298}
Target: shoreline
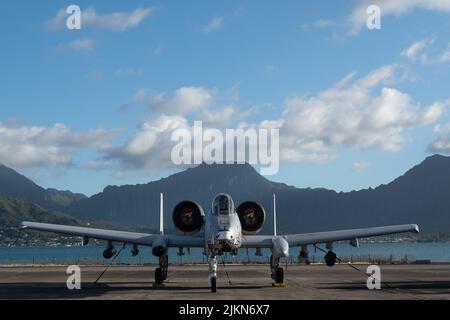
{"x": 59, "y": 265}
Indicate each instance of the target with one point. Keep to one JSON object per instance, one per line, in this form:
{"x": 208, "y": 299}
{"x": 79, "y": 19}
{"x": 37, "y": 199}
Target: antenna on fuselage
{"x": 274, "y": 208}
{"x": 161, "y": 213}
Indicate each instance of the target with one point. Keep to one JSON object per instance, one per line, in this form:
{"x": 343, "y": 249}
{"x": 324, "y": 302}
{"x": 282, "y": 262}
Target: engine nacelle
{"x": 188, "y": 217}
{"x": 252, "y": 217}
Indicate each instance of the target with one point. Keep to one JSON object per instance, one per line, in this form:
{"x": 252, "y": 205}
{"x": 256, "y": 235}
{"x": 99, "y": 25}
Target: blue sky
{"x": 75, "y": 105}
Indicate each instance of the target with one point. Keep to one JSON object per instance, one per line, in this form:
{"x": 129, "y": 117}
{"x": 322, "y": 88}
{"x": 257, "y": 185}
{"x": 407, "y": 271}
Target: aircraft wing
{"x": 296, "y": 240}
{"x": 117, "y": 236}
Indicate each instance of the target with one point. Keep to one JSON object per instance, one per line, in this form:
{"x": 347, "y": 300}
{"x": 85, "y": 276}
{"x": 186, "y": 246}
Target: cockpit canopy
{"x": 223, "y": 205}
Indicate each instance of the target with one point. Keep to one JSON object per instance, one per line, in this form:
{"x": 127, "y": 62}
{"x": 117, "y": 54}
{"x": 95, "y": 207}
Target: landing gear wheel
{"x": 279, "y": 275}
{"x": 330, "y": 258}
{"x": 159, "y": 276}
{"x": 213, "y": 284}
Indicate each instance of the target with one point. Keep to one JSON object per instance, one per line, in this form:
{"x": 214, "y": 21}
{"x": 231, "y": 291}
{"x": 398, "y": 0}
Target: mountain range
{"x": 421, "y": 195}
{"x": 15, "y": 185}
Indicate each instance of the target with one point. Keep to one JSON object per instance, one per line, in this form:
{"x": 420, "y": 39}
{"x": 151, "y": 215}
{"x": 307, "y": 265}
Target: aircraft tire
{"x": 159, "y": 276}
{"x": 279, "y": 275}
{"x": 330, "y": 258}
{"x": 213, "y": 284}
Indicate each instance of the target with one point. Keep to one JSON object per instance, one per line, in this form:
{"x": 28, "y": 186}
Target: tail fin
{"x": 161, "y": 214}
{"x": 274, "y": 215}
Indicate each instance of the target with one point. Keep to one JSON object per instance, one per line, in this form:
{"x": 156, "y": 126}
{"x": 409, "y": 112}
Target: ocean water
{"x": 436, "y": 252}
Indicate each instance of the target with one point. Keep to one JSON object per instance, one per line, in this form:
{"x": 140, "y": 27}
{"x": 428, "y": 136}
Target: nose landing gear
{"x": 277, "y": 271}
{"x": 212, "y": 278}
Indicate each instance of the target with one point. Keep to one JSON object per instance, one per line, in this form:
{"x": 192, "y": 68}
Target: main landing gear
{"x": 277, "y": 271}
{"x": 330, "y": 258}
{"x": 161, "y": 272}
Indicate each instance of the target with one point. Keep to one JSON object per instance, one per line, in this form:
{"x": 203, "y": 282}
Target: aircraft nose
{"x": 225, "y": 236}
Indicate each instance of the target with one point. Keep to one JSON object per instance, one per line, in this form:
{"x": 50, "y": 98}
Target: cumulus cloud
{"x": 356, "y": 113}
{"x": 358, "y": 17}
{"x": 35, "y": 146}
{"x": 183, "y": 101}
{"x": 150, "y": 147}
{"x": 224, "y": 116}
{"x": 116, "y": 21}
{"x": 215, "y": 24}
{"x": 442, "y": 142}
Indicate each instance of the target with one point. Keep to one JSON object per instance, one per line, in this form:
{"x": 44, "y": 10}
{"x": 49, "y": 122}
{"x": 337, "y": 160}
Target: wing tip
{"x": 416, "y": 228}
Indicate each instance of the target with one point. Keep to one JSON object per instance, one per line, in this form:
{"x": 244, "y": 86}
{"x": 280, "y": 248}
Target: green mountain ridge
{"x": 15, "y": 185}
{"x": 14, "y": 211}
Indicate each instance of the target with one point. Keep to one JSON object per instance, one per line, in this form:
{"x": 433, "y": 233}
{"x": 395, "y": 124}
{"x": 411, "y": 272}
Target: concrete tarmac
{"x": 247, "y": 282}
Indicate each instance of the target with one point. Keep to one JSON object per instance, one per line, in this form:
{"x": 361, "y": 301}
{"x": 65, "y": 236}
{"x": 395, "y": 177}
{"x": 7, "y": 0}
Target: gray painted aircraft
{"x": 224, "y": 229}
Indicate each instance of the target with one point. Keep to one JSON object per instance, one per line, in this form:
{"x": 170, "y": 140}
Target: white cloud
{"x": 182, "y": 101}
{"x": 355, "y": 113}
{"x": 420, "y": 50}
{"x": 434, "y": 112}
{"x": 117, "y": 21}
{"x": 413, "y": 50}
{"x": 225, "y": 116}
{"x": 360, "y": 166}
{"x": 423, "y": 52}
{"x": 358, "y": 18}
{"x": 442, "y": 143}
{"x": 34, "y": 146}
{"x": 215, "y": 24}
{"x": 78, "y": 45}
{"x": 359, "y": 114}
{"x": 149, "y": 148}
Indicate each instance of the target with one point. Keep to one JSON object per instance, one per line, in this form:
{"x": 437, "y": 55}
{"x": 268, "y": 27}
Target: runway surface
{"x": 247, "y": 282}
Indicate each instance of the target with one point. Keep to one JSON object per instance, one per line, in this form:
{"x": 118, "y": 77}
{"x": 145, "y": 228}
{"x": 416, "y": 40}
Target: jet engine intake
{"x": 188, "y": 217}
{"x": 252, "y": 217}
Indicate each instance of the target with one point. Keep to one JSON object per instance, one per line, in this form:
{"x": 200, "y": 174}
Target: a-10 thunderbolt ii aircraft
{"x": 224, "y": 229}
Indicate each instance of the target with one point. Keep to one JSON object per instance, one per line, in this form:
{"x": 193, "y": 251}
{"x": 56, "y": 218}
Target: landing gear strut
{"x": 212, "y": 279}
{"x": 277, "y": 271}
{"x": 161, "y": 272}
{"x": 303, "y": 256}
